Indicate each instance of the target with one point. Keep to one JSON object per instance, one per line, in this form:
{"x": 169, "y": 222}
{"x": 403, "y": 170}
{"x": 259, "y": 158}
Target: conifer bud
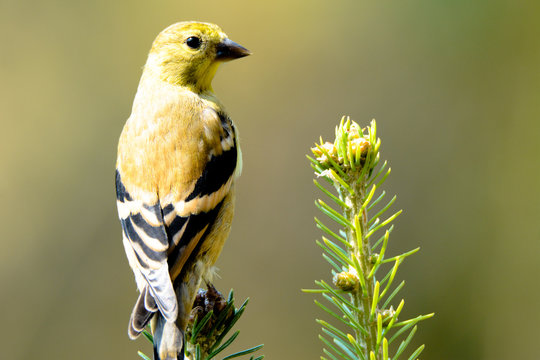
{"x": 346, "y": 281}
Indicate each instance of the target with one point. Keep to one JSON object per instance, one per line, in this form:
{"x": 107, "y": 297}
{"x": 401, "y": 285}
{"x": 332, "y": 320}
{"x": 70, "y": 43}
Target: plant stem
{"x": 362, "y": 297}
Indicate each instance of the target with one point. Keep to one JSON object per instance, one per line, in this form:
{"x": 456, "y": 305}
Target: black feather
{"x": 195, "y": 225}
{"x": 140, "y": 315}
{"x": 121, "y": 193}
{"x": 217, "y": 172}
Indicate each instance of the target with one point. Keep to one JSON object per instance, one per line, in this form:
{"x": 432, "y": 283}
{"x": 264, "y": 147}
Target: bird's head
{"x": 189, "y": 53}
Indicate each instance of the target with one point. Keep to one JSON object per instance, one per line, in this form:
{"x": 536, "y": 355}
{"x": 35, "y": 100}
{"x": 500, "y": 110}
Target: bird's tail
{"x": 180, "y": 356}
{"x": 143, "y": 311}
{"x": 168, "y": 340}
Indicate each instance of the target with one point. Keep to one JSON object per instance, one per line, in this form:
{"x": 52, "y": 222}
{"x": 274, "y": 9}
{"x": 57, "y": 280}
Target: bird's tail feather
{"x": 168, "y": 340}
{"x": 179, "y": 357}
{"x": 144, "y": 309}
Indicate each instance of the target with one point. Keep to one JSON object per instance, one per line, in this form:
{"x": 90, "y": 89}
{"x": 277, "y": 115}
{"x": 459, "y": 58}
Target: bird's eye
{"x": 193, "y": 42}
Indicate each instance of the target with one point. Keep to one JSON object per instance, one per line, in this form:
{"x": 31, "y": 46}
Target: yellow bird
{"x": 178, "y": 158}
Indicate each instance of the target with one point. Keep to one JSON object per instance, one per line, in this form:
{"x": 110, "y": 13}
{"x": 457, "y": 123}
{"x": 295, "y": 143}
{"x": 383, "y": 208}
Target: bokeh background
{"x": 454, "y": 86}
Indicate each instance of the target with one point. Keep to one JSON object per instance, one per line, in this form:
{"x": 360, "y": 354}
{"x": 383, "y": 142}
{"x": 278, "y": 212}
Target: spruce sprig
{"x": 212, "y": 319}
{"x": 358, "y": 298}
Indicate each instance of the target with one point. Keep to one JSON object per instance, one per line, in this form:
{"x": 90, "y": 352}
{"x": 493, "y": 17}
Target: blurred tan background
{"x": 454, "y": 86}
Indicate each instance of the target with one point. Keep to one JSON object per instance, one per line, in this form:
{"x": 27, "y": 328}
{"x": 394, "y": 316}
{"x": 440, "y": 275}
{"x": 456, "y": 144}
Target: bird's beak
{"x": 229, "y": 50}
